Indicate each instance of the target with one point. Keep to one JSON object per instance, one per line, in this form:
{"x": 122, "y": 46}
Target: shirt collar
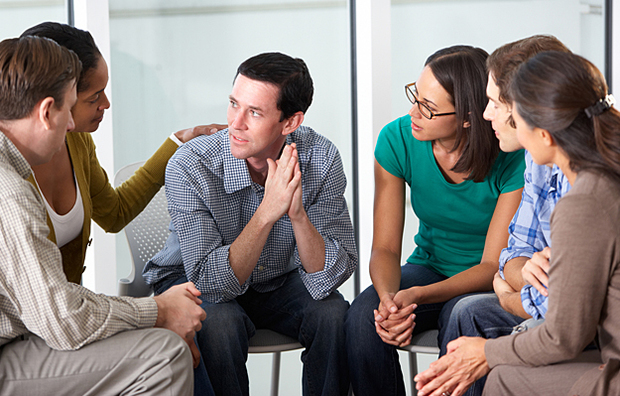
{"x": 553, "y": 180}
{"x": 236, "y": 174}
{"x": 11, "y": 155}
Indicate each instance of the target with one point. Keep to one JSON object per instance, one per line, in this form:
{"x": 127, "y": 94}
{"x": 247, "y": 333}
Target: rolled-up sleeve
{"x": 526, "y": 236}
{"x": 330, "y": 216}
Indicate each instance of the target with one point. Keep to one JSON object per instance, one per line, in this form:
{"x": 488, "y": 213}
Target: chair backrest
{"x": 146, "y": 236}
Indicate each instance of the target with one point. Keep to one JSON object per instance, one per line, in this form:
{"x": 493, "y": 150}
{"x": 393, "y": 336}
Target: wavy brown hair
{"x": 32, "y": 69}
{"x": 504, "y": 61}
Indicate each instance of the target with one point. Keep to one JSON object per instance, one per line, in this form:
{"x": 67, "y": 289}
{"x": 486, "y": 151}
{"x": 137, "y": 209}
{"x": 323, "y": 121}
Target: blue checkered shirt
{"x": 529, "y": 230}
{"x": 211, "y": 198}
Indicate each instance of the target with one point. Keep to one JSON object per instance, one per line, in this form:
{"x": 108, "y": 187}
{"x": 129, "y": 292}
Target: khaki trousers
{"x": 136, "y": 362}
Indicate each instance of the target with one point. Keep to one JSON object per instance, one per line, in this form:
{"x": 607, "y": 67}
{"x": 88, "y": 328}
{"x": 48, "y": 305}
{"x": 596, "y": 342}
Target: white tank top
{"x": 68, "y": 226}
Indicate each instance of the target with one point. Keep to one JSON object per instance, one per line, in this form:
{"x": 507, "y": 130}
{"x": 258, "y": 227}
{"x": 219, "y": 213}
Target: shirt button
{"x": 260, "y": 267}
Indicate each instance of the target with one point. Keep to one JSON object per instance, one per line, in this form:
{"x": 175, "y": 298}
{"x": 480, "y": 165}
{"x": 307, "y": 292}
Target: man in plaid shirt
{"x": 520, "y": 285}
{"x": 261, "y": 226}
{"x": 57, "y": 337}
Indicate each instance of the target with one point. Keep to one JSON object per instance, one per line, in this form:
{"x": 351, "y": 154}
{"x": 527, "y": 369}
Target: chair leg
{"x": 275, "y": 374}
{"x": 413, "y": 371}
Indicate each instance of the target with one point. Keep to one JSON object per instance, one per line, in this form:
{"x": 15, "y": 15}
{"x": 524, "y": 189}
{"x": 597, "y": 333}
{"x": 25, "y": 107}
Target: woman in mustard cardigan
{"x": 75, "y": 187}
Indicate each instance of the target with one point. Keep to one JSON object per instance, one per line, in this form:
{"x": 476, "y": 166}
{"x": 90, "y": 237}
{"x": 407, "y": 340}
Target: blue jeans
{"x": 373, "y": 364}
{"x": 478, "y": 315}
{"x": 290, "y": 310}
{"x": 202, "y": 384}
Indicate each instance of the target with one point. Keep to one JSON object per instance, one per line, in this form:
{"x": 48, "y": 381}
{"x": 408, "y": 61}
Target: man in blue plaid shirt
{"x": 520, "y": 285}
{"x": 261, "y": 226}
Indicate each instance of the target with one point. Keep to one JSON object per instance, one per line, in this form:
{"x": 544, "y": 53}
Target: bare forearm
{"x": 511, "y": 302}
{"x": 512, "y": 272}
{"x": 310, "y": 245}
{"x": 385, "y": 271}
{"x": 478, "y": 278}
{"x": 247, "y": 248}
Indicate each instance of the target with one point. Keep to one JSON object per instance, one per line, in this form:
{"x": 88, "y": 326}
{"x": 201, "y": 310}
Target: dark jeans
{"x": 290, "y": 310}
{"x": 478, "y": 315}
{"x": 373, "y": 364}
{"x": 202, "y": 384}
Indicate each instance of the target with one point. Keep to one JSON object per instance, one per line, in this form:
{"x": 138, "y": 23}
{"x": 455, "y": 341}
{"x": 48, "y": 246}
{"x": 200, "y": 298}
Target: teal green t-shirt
{"x": 454, "y": 218}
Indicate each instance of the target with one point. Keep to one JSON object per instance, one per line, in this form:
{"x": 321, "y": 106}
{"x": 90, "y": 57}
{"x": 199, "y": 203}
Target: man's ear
{"x": 292, "y": 123}
{"x": 44, "y": 112}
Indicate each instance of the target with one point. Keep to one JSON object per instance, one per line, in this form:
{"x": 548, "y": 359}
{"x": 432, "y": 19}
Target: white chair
{"x": 146, "y": 235}
{"x": 425, "y": 342}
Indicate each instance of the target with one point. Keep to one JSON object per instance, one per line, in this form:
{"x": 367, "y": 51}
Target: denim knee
{"x": 361, "y": 313}
{"x": 225, "y": 327}
{"x": 466, "y": 307}
{"x": 326, "y": 315}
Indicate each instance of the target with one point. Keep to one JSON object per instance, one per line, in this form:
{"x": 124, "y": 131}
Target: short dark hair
{"x": 461, "y": 71}
{"x": 505, "y": 60}
{"x": 290, "y": 75}
{"x": 551, "y": 91}
{"x": 32, "y": 69}
{"x": 79, "y": 41}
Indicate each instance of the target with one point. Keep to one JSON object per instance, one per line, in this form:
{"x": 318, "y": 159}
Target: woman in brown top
{"x": 564, "y": 116}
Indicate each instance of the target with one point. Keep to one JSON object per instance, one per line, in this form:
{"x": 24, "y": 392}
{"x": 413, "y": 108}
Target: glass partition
{"x": 18, "y": 15}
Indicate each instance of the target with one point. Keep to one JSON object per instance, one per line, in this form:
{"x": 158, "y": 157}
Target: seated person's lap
{"x": 282, "y": 310}
{"x": 556, "y": 379}
{"x": 427, "y": 315}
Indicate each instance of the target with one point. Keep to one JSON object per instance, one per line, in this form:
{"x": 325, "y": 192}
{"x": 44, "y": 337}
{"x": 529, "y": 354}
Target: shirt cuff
{"x": 148, "y": 311}
{"x": 176, "y": 139}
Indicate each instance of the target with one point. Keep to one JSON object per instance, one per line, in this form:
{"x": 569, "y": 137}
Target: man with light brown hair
{"x": 520, "y": 285}
{"x": 57, "y": 337}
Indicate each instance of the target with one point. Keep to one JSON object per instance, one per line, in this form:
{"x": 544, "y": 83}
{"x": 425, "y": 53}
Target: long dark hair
{"x": 461, "y": 71}
{"x": 79, "y": 41}
{"x": 552, "y": 91}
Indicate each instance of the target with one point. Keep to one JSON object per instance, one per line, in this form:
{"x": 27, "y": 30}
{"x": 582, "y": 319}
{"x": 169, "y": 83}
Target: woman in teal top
{"x": 464, "y": 192}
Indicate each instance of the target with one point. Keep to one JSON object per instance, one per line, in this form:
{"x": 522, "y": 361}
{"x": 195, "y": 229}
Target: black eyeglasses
{"x": 424, "y": 110}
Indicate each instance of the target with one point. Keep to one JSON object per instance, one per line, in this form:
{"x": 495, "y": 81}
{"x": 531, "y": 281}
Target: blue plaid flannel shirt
{"x": 211, "y": 198}
{"x": 529, "y": 229}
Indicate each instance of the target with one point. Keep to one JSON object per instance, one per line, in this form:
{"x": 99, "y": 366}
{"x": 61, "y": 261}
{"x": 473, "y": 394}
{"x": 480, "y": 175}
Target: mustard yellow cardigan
{"x": 111, "y": 208}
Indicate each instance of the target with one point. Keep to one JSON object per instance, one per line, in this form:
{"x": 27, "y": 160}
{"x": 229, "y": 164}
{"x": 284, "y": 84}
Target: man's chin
{"x": 238, "y": 155}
